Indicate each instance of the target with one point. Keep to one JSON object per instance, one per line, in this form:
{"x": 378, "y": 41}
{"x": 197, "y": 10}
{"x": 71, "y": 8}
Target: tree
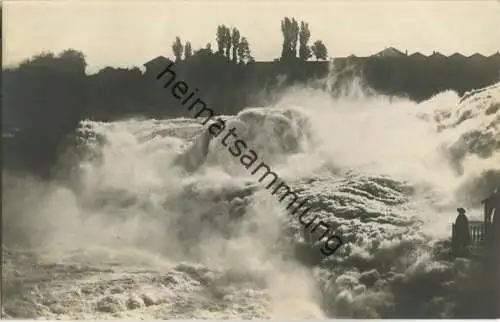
{"x": 235, "y": 39}
{"x": 177, "y": 49}
{"x": 221, "y": 40}
{"x": 224, "y": 40}
{"x": 73, "y": 59}
{"x": 244, "y": 51}
{"x": 295, "y": 37}
{"x": 58, "y": 96}
{"x": 304, "y": 36}
{"x": 319, "y": 50}
{"x": 188, "y": 51}
{"x": 285, "y": 30}
{"x": 228, "y": 41}
{"x": 290, "y": 31}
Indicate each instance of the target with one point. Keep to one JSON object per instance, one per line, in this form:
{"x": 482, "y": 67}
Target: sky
{"x": 129, "y": 33}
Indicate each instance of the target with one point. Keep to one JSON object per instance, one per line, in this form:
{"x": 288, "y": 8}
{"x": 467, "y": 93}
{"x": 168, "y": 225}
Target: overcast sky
{"x": 119, "y": 33}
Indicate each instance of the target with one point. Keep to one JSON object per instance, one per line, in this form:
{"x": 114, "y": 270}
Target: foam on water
{"x": 131, "y": 231}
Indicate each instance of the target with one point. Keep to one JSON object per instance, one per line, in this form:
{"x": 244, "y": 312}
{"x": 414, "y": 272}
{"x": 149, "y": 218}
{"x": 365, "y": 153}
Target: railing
{"x": 477, "y": 232}
{"x": 477, "y": 235}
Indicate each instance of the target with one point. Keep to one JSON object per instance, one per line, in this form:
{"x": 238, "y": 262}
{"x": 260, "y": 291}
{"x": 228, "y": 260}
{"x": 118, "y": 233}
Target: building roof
{"x": 157, "y": 60}
{"x": 495, "y": 197}
{"x": 495, "y": 55}
{"x": 477, "y": 56}
{"x": 457, "y": 56}
{"x": 436, "y": 54}
{"x": 418, "y": 55}
{"x": 389, "y": 52}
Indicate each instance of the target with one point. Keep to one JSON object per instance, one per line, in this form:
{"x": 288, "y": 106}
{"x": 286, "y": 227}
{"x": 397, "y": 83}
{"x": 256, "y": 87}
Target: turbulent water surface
{"x": 135, "y": 226}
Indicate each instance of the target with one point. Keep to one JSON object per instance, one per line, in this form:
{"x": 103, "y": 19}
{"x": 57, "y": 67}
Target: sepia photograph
{"x": 250, "y": 159}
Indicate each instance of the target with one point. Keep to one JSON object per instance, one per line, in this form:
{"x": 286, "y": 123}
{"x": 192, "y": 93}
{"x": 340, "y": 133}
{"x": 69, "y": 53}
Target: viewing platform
{"x": 470, "y": 237}
{"x": 480, "y": 241}
{"x": 477, "y": 234}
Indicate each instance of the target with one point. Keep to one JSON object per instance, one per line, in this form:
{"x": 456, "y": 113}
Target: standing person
{"x": 461, "y": 234}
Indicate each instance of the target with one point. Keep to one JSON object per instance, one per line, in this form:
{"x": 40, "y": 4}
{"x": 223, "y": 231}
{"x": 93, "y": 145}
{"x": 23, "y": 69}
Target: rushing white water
{"x": 131, "y": 233}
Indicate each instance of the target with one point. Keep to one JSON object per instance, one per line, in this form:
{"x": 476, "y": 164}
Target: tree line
{"x": 293, "y": 34}
{"x": 235, "y": 47}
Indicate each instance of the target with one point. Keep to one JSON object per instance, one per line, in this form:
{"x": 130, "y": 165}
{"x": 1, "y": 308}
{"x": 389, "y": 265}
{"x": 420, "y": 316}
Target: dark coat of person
{"x": 462, "y": 230}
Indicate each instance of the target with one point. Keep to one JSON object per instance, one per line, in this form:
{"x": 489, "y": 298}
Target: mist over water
{"x": 133, "y": 228}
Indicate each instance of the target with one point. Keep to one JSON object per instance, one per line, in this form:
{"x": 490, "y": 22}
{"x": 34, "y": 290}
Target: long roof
{"x": 417, "y": 54}
{"x": 158, "y": 59}
{"x": 457, "y": 55}
{"x": 477, "y": 55}
{"x": 437, "y": 54}
{"x": 390, "y": 51}
{"x": 495, "y": 196}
